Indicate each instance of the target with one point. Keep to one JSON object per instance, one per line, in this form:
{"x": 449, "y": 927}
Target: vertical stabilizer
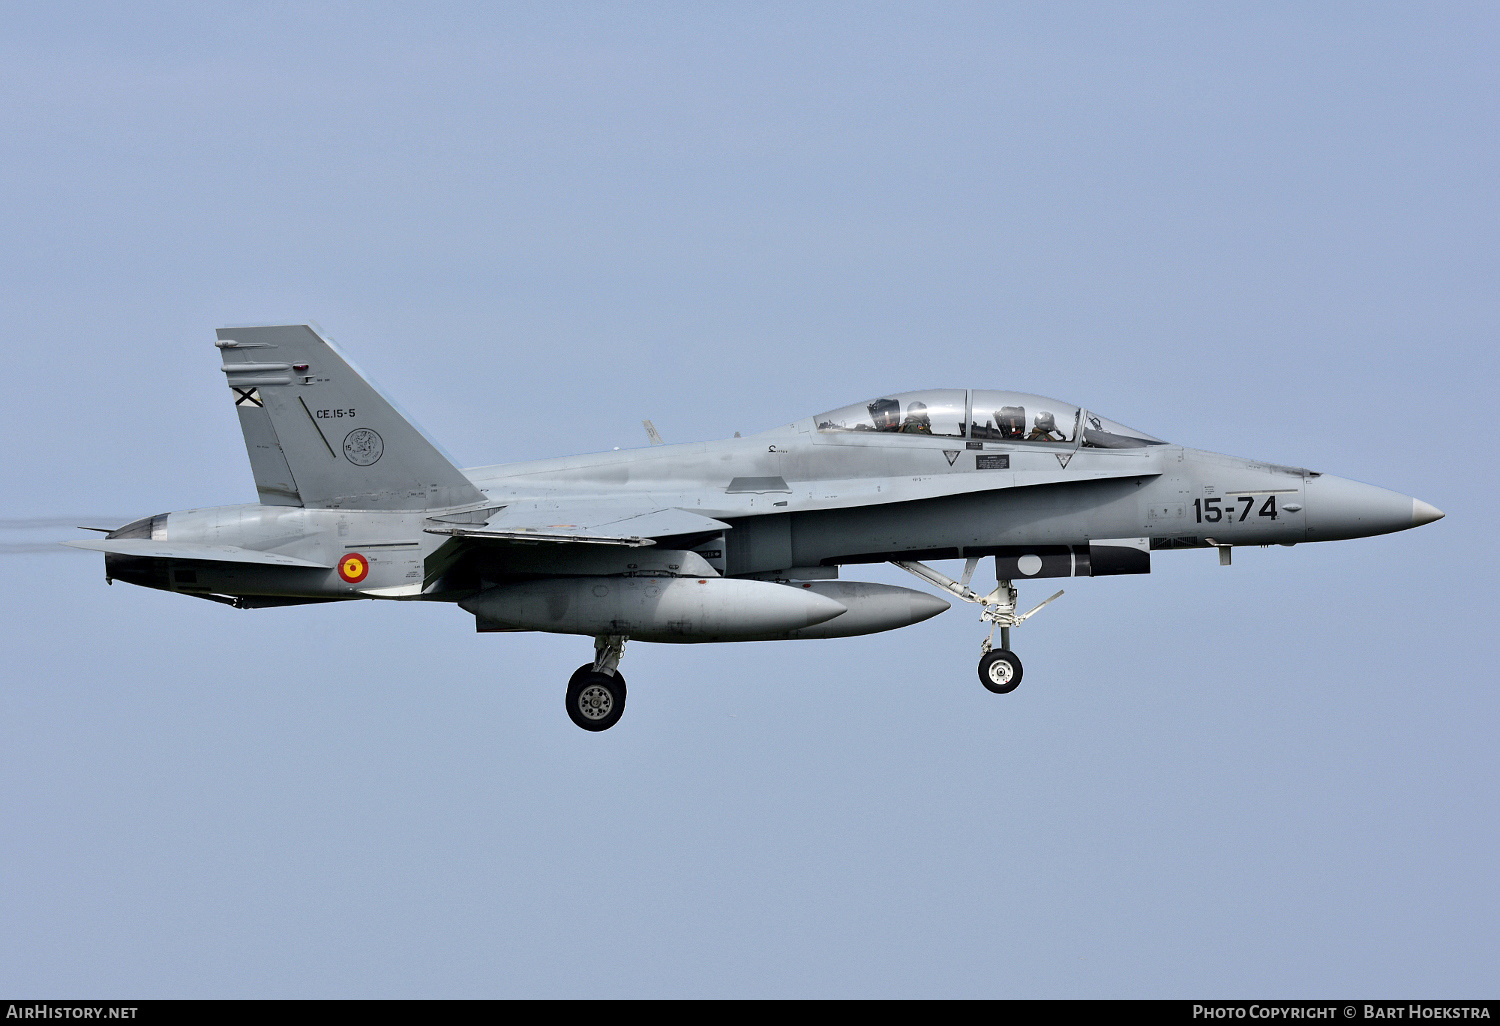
{"x": 319, "y": 435}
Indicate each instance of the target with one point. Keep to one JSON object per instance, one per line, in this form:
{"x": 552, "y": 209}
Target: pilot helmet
{"x": 916, "y": 412}
{"x": 1046, "y": 422}
{"x": 1011, "y": 421}
{"x": 886, "y": 414}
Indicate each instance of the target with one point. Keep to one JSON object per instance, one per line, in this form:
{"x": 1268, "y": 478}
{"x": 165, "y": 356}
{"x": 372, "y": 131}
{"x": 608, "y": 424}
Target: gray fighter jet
{"x": 735, "y": 540}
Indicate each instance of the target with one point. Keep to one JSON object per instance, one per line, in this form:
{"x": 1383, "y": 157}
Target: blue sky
{"x": 1268, "y": 230}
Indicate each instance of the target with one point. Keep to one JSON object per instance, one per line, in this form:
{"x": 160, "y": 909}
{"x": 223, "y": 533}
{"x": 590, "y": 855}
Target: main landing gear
{"x": 999, "y": 668}
{"x": 596, "y": 691}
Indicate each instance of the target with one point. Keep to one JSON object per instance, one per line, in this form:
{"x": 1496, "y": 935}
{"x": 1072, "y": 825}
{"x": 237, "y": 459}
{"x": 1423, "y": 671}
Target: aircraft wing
{"x": 192, "y": 550}
{"x": 573, "y": 536}
{"x": 586, "y": 524}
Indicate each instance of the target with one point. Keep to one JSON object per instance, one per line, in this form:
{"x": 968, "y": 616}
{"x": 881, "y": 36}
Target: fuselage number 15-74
{"x": 1210, "y": 510}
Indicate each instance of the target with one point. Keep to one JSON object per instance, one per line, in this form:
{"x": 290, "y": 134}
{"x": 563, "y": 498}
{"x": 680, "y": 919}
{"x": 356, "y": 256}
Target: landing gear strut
{"x": 999, "y": 668}
{"x": 596, "y": 691}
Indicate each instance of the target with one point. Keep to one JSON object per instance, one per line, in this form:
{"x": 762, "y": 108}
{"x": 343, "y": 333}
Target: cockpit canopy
{"x": 979, "y": 414}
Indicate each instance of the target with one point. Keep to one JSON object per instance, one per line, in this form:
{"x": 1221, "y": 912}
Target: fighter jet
{"x": 741, "y": 539}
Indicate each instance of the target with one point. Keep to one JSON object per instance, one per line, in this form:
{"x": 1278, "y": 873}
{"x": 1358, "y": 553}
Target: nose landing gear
{"x": 999, "y": 668}
{"x": 596, "y": 691}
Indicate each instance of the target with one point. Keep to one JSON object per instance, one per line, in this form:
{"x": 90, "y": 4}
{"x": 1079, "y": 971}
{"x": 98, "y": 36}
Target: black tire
{"x": 596, "y": 701}
{"x": 1000, "y": 671}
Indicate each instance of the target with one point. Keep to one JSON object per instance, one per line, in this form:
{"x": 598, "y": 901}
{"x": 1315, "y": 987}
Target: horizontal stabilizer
{"x": 148, "y": 549}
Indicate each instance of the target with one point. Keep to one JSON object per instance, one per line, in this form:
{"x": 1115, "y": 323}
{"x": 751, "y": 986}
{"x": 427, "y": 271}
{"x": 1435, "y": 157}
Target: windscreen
{"x": 1099, "y": 433}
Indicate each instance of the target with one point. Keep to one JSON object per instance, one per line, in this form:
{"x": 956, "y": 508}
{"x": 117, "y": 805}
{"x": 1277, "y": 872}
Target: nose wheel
{"x": 596, "y": 691}
{"x": 999, "y": 668}
{"x": 1000, "y": 671}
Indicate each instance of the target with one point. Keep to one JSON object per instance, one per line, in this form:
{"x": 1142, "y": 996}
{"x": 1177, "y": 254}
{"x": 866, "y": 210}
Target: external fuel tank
{"x": 669, "y": 609}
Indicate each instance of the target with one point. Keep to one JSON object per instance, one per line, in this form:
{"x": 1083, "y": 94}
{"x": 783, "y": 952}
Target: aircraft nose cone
{"x": 1340, "y": 508}
{"x": 1424, "y": 513}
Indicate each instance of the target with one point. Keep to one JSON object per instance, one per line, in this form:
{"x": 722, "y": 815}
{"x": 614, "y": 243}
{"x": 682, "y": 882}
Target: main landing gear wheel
{"x": 596, "y": 701}
{"x": 1000, "y": 671}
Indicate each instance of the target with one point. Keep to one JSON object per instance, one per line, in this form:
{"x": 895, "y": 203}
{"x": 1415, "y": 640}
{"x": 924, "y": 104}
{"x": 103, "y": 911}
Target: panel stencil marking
{"x": 246, "y": 396}
{"x": 996, "y": 461}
